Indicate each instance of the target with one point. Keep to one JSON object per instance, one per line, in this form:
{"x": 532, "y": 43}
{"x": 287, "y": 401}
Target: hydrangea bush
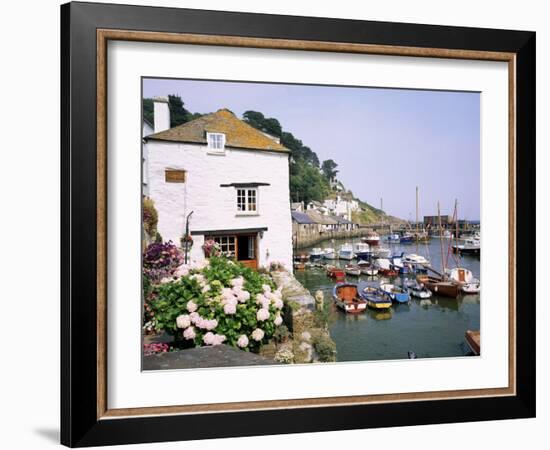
{"x": 219, "y": 301}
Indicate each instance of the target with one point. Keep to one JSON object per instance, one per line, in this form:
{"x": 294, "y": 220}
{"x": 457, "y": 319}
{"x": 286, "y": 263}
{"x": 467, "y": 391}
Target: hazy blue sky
{"x": 385, "y": 141}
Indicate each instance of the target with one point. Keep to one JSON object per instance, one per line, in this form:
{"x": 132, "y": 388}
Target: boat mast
{"x": 441, "y": 238}
{"x": 416, "y": 209}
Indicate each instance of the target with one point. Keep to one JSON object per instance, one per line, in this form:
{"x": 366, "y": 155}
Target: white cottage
{"x": 230, "y": 176}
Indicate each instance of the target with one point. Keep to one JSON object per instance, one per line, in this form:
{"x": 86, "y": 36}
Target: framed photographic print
{"x": 273, "y": 224}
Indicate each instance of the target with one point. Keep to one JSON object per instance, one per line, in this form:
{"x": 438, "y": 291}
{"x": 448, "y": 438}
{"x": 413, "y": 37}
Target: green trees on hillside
{"x": 178, "y": 113}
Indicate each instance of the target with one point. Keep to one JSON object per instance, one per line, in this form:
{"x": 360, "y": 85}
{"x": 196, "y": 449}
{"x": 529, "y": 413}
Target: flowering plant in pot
{"x": 211, "y": 248}
{"x": 186, "y": 241}
{"x": 220, "y": 302}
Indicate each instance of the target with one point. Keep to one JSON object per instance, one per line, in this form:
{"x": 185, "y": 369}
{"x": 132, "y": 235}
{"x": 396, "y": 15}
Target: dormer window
{"x": 216, "y": 142}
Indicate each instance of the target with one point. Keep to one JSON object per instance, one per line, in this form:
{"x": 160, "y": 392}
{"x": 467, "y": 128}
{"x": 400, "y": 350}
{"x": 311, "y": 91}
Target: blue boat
{"x": 395, "y": 293}
{"x": 375, "y": 298}
{"x": 398, "y": 265}
{"x": 406, "y": 238}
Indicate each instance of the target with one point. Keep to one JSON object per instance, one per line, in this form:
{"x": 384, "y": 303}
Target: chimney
{"x": 162, "y": 114}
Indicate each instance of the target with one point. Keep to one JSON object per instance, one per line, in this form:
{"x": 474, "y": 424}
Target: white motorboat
{"x": 470, "y": 246}
{"x": 329, "y": 253}
{"x": 315, "y": 254}
{"x": 472, "y": 288}
{"x": 382, "y": 252}
{"x": 418, "y": 290}
{"x": 346, "y": 252}
{"x": 362, "y": 250}
{"x": 367, "y": 268}
{"x": 413, "y": 258}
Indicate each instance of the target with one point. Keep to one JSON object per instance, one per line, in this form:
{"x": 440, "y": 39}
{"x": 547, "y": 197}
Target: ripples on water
{"x": 431, "y": 328}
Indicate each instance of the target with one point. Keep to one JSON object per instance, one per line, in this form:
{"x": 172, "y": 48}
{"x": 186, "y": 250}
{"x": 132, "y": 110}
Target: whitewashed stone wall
{"x": 215, "y": 207}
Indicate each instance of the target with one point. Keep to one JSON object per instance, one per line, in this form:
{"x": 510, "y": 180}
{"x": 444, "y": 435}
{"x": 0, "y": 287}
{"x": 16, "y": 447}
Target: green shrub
{"x": 220, "y": 301}
{"x": 325, "y": 348}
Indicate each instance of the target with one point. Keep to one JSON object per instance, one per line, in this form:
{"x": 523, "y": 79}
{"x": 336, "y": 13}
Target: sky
{"x": 385, "y": 141}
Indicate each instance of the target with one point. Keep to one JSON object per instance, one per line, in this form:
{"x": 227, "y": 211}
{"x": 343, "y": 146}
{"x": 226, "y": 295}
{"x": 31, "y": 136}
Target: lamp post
{"x": 186, "y": 235}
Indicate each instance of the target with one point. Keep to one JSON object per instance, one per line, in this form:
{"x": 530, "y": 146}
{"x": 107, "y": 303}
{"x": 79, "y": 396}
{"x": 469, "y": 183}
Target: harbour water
{"x": 430, "y": 328}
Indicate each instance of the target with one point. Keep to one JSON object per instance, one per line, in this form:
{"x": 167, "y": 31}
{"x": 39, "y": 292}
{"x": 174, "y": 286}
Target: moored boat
{"x": 413, "y": 258}
{"x": 372, "y": 238}
{"x": 346, "y": 297}
{"x": 374, "y": 298}
{"x": 393, "y": 238}
{"x": 415, "y": 289}
{"x": 315, "y": 254}
{"x": 384, "y": 267}
{"x": 381, "y": 252}
{"x": 398, "y": 265}
{"x": 471, "y": 246}
{"x": 362, "y": 250}
{"x": 472, "y": 288}
{"x": 460, "y": 275}
{"x": 346, "y": 252}
{"x": 329, "y": 253}
{"x": 395, "y": 293}
{"x": 439, "y": 286}
{"x": 335, "y": 272}
{"x": 352, "y": 270}
{"x": 406, "y": 238}
{"x": 473, "y": 339}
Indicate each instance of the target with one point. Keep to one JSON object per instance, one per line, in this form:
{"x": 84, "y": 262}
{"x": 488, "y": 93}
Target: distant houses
{"x": 315, "y": 222}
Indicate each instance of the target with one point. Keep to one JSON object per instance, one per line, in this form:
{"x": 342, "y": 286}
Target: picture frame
{"x": 86, "y": 28}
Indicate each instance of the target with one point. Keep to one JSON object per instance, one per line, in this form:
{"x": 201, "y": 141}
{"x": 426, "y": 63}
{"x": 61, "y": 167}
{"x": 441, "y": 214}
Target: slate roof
{"x": 301, "y": 218}
{"x": 238, "y": 134}
{"x": 321, "y": 218}
{"x": 342, "y": 220}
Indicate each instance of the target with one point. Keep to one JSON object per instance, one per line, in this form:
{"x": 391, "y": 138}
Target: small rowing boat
{"x": 395, "y": 293}
{"x": 472, "y": 288}
{"x": 418, "y": 290}
{"x": 473, "y": 339}
{"x": 335, "y": 272}
{"x": 352, "y": 270}
{"x": 347, "y": 298}
{"x": 374, "y": 298}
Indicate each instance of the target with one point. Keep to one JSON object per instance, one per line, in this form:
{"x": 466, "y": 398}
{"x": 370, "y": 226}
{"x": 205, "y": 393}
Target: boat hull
{"x": 438, "y": 287}
{"x": 346, "y": 298}
{"x": 473, "y": 339}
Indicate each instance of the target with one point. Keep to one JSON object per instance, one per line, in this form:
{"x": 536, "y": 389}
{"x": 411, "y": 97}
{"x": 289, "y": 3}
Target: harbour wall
{"x": 303, "y": 239}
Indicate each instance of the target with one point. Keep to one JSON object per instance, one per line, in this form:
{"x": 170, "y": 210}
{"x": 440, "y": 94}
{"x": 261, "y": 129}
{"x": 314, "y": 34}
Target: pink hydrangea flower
{"x": 237, "y": 281}
{"x": 258, "y": 334}
{"x": 278, "y": 320}
{"x": 243, "y": 296}
{"x": 230, "y": 308}
{"x": 211, "y": 324}
{"x": 266, "y": 288}
{"x": 278, "y": 303}
{"x": 208, "y": 338}
{"x": 262, "y": 314}
{"x": 242, "y": 341}
{"x": 206, "y": 288}
{"x": 191, "y": 306}
{"x": 182, "y": 271}
{"x": 218, "y": 339}
{"x": 227, "y": 292}
{"x": 189, "y": 333}
{"x": 194, "y": 317}
{"x": 260, "y": 298}
{"x": 183, "y": 321}
{"x": 166, "y": 280}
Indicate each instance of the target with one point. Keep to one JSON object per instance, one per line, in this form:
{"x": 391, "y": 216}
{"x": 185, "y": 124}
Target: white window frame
{"x": 247, "y": 204}
{"x": 216, "y": 143}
